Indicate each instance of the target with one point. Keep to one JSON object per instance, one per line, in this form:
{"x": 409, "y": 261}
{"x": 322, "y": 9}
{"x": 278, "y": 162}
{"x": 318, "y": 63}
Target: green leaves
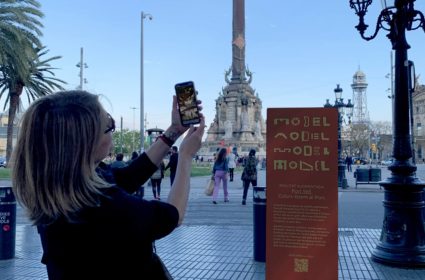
{"x": 23, "y": 66}
{"x": 20, "y": 29}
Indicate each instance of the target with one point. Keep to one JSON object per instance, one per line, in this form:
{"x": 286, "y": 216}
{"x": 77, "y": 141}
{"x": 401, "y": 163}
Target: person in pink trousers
{"x": 220, "y": 169}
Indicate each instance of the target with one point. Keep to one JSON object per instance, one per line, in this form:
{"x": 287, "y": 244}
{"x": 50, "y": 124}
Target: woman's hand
{"x": 192, "y": 142}
{"x": 175, "y": 118}
{"x": 157, "y": 151}
{"x": 177, "y": 129}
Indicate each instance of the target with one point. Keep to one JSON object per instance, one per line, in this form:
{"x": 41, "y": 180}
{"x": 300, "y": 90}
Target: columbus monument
{"x": 238, "y": 121}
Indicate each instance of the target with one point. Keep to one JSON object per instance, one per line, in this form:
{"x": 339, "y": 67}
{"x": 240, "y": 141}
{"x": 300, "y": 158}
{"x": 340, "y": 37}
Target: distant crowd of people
{"x": 107, "y": 169}
{"x": 223, "y": 169}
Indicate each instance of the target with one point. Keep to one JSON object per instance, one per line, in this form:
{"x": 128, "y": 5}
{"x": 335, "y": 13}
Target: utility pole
{"x": 146, "y": 125}
{"x": 82, "y": 65}
{"x": 121, "y": 140}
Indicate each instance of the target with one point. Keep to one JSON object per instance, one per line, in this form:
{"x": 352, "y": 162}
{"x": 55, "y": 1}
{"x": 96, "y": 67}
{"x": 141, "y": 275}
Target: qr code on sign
{"x": 301, "y": 265}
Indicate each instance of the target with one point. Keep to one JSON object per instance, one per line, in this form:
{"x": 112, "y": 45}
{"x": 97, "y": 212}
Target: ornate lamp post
{"x": 402, "y": 241}
{"x": 340, "y": 105}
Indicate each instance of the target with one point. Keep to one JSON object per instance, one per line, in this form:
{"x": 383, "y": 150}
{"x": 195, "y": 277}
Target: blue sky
{"x": 298, "y": 52}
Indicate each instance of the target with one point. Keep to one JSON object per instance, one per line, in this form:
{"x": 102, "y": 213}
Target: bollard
{"x": 259, "y": 206}
{"x": 7, "y": 223}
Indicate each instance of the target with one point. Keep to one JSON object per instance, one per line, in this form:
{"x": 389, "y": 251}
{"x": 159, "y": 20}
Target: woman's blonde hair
{"x": 53, "y": 163}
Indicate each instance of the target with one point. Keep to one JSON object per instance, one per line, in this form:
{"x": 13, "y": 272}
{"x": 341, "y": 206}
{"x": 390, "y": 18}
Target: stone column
{"x": 238, "y": 41}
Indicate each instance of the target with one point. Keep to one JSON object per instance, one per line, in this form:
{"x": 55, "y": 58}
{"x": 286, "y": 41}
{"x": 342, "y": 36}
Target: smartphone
{"x": 188, "y": 105}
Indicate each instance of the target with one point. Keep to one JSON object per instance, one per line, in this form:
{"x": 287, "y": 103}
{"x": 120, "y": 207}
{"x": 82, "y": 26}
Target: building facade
{"x": 4, "y": 119}
{"x": 418, "y": 109}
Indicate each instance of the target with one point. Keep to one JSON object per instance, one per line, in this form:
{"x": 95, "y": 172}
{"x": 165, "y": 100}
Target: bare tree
{"x": 360, "y": 133}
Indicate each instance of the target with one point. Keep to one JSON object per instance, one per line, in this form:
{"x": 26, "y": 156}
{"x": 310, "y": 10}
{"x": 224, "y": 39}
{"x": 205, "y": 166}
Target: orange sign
{"x": 302, "y": 194}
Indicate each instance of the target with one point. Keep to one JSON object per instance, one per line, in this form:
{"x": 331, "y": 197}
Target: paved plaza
{"x": 216, "y": 242}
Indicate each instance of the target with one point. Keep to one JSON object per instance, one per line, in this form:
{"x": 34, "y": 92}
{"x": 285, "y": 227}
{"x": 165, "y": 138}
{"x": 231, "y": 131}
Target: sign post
{"x": 302, "y": 194}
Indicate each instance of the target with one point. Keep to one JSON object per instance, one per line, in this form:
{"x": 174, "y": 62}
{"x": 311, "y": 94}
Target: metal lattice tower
{"x": 359, "y": 86}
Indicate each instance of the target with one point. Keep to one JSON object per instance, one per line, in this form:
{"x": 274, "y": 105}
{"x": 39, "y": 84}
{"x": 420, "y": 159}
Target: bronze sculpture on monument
{"x": 238, "y": 121}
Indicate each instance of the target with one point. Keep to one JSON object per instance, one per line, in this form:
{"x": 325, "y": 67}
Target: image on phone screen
{"x": 188, "y": 107}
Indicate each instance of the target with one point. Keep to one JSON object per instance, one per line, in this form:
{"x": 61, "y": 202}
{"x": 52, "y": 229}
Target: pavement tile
{"x": 207, "y": 247}
{"x": 220, "y": 261}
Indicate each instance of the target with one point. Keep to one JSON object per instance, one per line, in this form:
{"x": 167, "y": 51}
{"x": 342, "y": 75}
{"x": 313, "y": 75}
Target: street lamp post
{"x": 134, "y": 129}
{"x": 142, "y": 112}
{"x": 340, "y": 105}
{"x": 82, "y": 65}
{"x": 402, "y": 241}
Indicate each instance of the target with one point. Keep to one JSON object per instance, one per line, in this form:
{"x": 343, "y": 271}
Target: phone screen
{"x": 188, "y": 107}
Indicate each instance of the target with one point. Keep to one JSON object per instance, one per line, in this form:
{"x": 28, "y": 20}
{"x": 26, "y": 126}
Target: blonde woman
{"x": 89, "y": 228}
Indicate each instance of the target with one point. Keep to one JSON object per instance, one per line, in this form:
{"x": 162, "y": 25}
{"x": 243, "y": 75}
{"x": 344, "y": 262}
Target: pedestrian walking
{"x": 249, "y": 174}
{"x": 134, "y": 155}
{"x": 118, "y": 162}
{"x": 88, "y": 227}
{"x": 349, "y": 162}
{"x": 231, "y": 158}
{"x": 156, "y": 180}
{"x": 220, "y": 170}
{"x": 172, "y": 163}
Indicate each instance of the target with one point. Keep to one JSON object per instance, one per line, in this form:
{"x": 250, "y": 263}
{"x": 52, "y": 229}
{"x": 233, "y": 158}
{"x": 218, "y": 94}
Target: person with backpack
{"x": 249, "y": 174}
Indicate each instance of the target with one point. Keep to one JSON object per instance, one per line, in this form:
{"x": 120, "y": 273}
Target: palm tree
{"x": 19, "y": 33}
{"x": 40, "y": 81}
{"x": 19, "y": 41}
{"x": 21, "y": 62}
